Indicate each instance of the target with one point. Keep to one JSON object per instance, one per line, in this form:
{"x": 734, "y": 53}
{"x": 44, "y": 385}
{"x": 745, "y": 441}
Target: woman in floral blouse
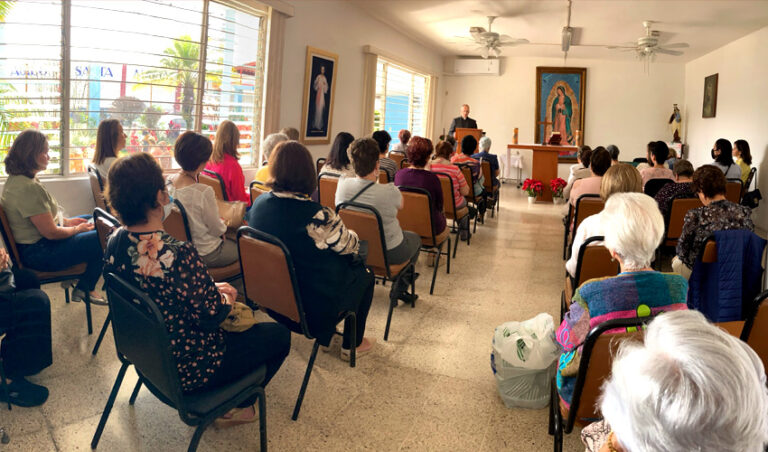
{"x": 175, "y": 277}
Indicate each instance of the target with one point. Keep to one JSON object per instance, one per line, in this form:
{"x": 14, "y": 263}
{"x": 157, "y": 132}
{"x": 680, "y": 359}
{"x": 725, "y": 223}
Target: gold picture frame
{"x": 319, "y": 93}
{"x": 572, "y": 81}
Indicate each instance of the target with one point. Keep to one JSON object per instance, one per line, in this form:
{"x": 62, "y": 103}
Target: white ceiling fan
{"x": 490, "y": 42}
{"x": 646, "y": 47}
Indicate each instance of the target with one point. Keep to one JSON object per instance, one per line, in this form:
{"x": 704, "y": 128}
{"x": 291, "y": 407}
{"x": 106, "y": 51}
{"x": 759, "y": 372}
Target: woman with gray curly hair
{"x": 267, "y": 146}
{"x": 689, "y": 386}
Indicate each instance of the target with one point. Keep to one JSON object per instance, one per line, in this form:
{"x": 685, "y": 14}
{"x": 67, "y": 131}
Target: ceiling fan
{"x": 489, "y": 42}
{"x": 646, "y": 47}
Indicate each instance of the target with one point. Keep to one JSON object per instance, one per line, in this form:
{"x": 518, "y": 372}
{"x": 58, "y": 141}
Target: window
{"x": 140, "y": 62}
{"x": 401, "y": 99}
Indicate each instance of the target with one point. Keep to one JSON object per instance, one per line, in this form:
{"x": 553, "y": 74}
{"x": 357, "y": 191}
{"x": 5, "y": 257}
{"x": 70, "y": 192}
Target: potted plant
{"x": 534, "y": 188}
{"x": 557, "y": 185}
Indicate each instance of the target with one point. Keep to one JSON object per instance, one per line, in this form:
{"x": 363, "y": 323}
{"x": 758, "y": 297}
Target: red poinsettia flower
{"x": 533, "y": 187}
{"x": 557, "y": 185}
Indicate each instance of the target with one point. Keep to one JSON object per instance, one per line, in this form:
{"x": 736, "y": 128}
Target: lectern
{"x": 544, "y": 163}
{"x": 461, "y": 132}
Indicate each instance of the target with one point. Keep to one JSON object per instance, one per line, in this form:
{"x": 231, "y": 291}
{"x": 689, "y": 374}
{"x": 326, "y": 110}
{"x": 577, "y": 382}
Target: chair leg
{"x": 434, "y": 272}
{"x": 456, "y": 243}
{"x": 197, "y": 436}
{"x": 101, "y": 334}
{"x": 108, "y": 407}
{"x": 392, "y": 304}
{"x": 4, "y": 384}
{"x": 135, "y": 392}
{"x": 88, "y": 312}
{"x": 353, "y": 342}
{"x": 262, "y": 400}
{"x": 304, "y": 383}
{"x": 448, "y": 254}
{"x": 66, "y": 294}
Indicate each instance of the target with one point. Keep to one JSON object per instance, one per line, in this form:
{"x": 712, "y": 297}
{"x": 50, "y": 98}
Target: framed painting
{"x": 560, "y": 106}
{"x": 710, "y": 97}
{"x": 319, "y": 89}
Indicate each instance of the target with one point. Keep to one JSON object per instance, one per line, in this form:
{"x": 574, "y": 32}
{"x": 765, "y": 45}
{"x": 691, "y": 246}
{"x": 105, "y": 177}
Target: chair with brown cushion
{"x": 466, "y": 171}
{"x": 586, "y": 206}
{"x": 404, "y": 163}
{"x": 319, "y": 164}
{"x": 274, "y": 288}
{"x": 397, "y": 157}
{"x": 595, "y": 367}
{"x": 676, "y": 218}
{"x": 755, "y": 331}
{"x": 416, "y": 216}
{"x": 97, "y": 187}
{"x": 366, "y": 221}
{"x": 69, "y": 274}
{"x": 326, "y": 189}
{"x": 383, "y": 177}
{"x": 216, "y": 182}
{"x": 257, "y": 189}
{"x": 492, "y": 190}
{"x": 449, "y": 208}
{"x": 567, "y": 227}
{"x": 594, "y": 261}
{"x": 733, "y": 189}
{"x": 104, "y": 223}
{"x": 176, "y": 224}
{"x": 654, "y": 185}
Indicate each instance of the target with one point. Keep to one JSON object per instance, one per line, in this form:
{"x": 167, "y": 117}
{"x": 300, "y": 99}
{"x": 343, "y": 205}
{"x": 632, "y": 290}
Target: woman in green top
{"x": 45, "y": 239}
{"x": 742, "y": 157}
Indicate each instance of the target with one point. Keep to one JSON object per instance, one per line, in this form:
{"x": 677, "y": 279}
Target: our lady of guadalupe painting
{"x": 560, "y": 100}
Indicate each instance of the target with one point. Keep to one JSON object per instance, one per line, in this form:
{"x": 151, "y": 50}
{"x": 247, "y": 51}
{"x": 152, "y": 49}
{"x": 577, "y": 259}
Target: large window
{"x": 401, "y": 99}
{"x": 159, "y": 66}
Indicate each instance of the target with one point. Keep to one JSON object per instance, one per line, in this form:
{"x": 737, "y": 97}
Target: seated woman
{"x": 192, "y": 152}
{"x": 658, "y": 154}
{"x": 331, "y": 276}
{"x": 267, "y": 146}
{"x": 25, "y": 317}
{"x": 403, "y": 136}
{"x": 338, "y": 163}
{"x": 174, "y": 276}
{"x": 742, "y": 156}
{"x": 419, "y": 150}
{"x": 402, "y": 246}
{"x": 485, "y": 146}
{"x": 599, "y": 162}
{"x": 663, "y": 389}
{"x": 633, "y": 229}
{"x": 224, "y": 161}
{"x": 45, "y": 239}
{"x": 110, "y": 139}
{"x": 464, "y": 157}
{"x": 580, "y": 170}
{"x": 718, "y": 214}
{"x": 621, "y": 178}
{"x": 683, "y": 172}
{"x": 722, "y": 154}
{"x": 386, "y": 164}
{"x": 441, "y": 163}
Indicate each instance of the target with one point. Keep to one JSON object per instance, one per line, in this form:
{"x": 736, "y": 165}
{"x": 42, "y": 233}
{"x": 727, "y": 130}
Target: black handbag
{"x": 751, "y": 199}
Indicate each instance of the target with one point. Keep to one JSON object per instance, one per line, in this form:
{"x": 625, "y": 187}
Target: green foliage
{"x": 151, "y": 117}
{"x": 127, "y": 109}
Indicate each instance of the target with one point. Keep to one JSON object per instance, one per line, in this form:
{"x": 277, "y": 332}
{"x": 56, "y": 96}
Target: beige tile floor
{"x": 430, "y": 387}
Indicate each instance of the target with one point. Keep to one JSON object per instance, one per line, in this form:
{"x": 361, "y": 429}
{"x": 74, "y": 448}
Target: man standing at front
{"x": 463, "y": 121}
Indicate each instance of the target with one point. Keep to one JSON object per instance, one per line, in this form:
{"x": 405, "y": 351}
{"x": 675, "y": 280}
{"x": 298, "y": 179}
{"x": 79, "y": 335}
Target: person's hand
{"x": 229, "y": 292}
{"x": 83, "y": 227}
{"x": 75, "y": 221}
{"x": 5, "y": 259}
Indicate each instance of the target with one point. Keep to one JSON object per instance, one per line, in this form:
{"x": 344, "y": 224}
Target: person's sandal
{"x": 24, "y": 393}
{"x": 364, "y": 348}
{"x": 79, "y": 295}
{"x": 235, "y": 417}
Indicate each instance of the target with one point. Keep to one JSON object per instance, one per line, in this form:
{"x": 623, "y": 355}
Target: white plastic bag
{"x": 529, "y": 344}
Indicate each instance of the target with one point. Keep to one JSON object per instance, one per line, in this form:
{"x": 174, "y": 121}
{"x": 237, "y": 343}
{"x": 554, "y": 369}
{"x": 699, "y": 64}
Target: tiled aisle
{"x": 430, "y": 387}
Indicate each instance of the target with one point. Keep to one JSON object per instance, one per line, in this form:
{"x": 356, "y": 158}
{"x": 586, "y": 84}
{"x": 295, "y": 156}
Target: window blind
{"x": 401, "y": 99}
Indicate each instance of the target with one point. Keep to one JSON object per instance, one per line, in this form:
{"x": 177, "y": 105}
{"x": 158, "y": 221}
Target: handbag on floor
{"x": 239, "y": 319}
{"x": 232, "y": 213}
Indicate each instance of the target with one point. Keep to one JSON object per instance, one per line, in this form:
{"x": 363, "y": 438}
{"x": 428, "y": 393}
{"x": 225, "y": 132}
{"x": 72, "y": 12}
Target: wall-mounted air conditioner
{"x": 472, "y": 66}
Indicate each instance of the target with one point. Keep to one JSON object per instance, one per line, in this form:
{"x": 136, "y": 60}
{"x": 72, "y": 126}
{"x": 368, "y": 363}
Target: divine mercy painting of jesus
{"x": 560, "y": 100}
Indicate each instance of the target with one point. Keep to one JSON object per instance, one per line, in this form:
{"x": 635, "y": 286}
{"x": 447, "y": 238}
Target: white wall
{"x": 342, "y": 28}
{"x": 624, "y": 105}
{"x": 742, "y": 105}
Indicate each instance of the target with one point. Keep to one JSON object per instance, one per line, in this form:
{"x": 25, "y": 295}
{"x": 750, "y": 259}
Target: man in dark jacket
{"x": 463, "y": 121}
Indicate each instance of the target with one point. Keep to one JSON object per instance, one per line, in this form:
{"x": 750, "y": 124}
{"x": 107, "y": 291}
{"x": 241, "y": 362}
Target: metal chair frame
{"x": 456, "y": 226}
{"x": 217, "y": 176}
{"x": 101, "y": 215}
{"x": 571, "y": 231}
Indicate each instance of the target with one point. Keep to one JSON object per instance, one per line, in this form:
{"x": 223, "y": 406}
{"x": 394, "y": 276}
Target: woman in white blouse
{"x": 192, "y": 152}
{"x": 110, "y": 139}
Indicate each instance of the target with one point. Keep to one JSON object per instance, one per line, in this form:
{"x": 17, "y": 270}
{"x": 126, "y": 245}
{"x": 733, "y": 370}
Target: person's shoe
{"x": 335, "y": 342}
{"x": 24, "y": 393}
{"x": 409, "y": 298}
{"x": 79, "y": 295}
{"x": 365, "y": 347}
{"x": 237, "y": 416}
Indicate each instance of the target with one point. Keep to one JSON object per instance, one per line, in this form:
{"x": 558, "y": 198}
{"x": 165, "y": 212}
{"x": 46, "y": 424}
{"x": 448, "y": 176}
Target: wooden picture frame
{"x": 319, "y": 93}
{"x": 566, "y": 87}
{"x": 709, "y": 107}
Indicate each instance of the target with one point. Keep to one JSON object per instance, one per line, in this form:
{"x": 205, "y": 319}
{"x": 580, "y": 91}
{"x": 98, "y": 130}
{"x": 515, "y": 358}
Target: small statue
{"x": 674, "y": 124}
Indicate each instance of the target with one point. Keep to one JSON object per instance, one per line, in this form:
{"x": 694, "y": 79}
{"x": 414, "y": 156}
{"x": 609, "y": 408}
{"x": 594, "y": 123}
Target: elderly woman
{"x": 484, "y": 154}
{"x": 173, "y": 275}
{"x": 267, "y": 146}
{"x": 718, "y": 214}
{"x": 110, "y": 139}
{"x": 620, "y": 178}
{"x": 338, "y": 163}
{"x": 633, "y": 229}
{"x": 688, "y": 386}
{"x": 224, "y": 161}
{"x": 722, "y": 156}
{"x": 683, "y": 172}
{"x": 45, "y": 239}
{"x": 419, "y": 150}
{"x": 580, "y": 170}
{"x": 331, "y": 275}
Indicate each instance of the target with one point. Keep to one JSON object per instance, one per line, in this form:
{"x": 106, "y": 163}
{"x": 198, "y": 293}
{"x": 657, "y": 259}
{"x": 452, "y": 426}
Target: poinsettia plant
{"x": 533, "y": 187}
{"x": 557, "y": 185}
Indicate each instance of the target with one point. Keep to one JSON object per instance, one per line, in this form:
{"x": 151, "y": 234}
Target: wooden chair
{"x": 676, "y": 218}
{"x": 586, "y": 206}
{"x": 466, "y": 171}
{"x": 274, "y": 287}
{"x": 216, "y": 182}
{"x": 404, "y": 163}
{"x": 68, "y": 274}
{"x": 594, "y": 261}
{"x": 416, "y": 216}
{"x": 733, "y": 189}
{"x": 257, "y": 189}
{"x": 755, "y": 331}
{"x": 492, "y": 190}
{"x": 319, "y": 164}
{"x": 366, "y": 221}
{"x": 595, "y": 367}
{"x": 177, "y": 225}
{"x": 326, "y": 189}
{"x": 397, "y": 157}
{"x": 97, "y": 187}
{"x": 449, "y": 208}
{"x": 383, "y": 177}
{"x": 654, "y": 185}
{"x": 142, "y": 340}
{"x": 105, "y": 224}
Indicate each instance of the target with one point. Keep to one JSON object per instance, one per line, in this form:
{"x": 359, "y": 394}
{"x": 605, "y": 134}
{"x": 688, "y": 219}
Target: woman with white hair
{"x": 633, "y": 229}
{"x": 689, "y": 386}
{"x": 485, "y": 146}
{"x": 267, "y": 146}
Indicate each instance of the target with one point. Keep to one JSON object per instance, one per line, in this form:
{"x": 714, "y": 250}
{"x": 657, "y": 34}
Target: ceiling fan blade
{"x": 667, "y": 51}
{"x": 676, "y": 45}
{"x": 621, "y": 47}
{"x": 513, "y": 42}
{"x": 484, "y": 52}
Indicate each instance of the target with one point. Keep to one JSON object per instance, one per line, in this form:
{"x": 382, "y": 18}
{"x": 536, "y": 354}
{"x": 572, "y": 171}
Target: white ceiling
{"x": 704, "y": 24}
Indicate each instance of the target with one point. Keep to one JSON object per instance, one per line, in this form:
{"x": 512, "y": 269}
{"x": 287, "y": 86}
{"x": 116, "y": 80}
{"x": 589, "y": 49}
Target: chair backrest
{"x": 141, "y": 337}
{"x": 326, "y": 189}
{"x": 383, "y": 177}
{"x": 97, "y": 187}
{"x": 654, "y": 185}
{"x": 748, "y": 182}
{"x": 586, "y": 206}
{"x": 319, "y": 164}
{"x": 257, "y": 189}
{"x": 594, "y": 261}
{"x": 273, "y": 286}
{"x": 10, "y": 242}
{"x": 596, "y": 361}
{"x": 709, "y": 254}
{"x": 404, "y": 163}
{"x": 676, "y": 217}
{"x": 397, "y": 157}
{"x": 488, "y": 178}
{"x": 177, "y": 224}
{"x": 755, "y": 331}
{"x": 216, "y": 182}
{"x": 466, "y": 171}
{"x": 104, "y": 223}
{"x": 366, "y": 221}
{"x": 733, "y": 190}
{"x": 449, "y": 207}
{"x": 416, "y": 214}
{"x": 640, "y": 160}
